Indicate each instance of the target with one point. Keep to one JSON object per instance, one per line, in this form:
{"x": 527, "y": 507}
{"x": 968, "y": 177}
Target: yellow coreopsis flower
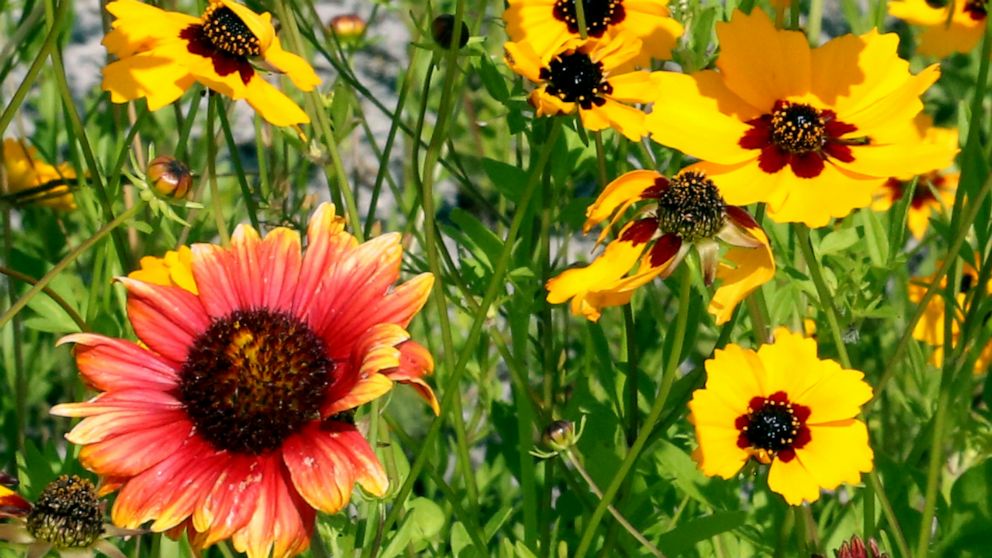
{"x": 590, "y": 76}
{"x": 31, "y": 180}
{"x": 814, "y": 133}
{"x": 785, "y": 407}
{"x": 673, "y": 216}
{"x": 161, "y": 54}
{"x": 548, "y": 24}
{"x": 949, "y": 26}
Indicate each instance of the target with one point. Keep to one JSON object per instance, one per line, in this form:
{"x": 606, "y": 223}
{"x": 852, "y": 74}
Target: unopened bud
{"x": 559, "y": 435}
{"x": 169, "y": 177}
{"x": 348, "y": 27}
{"x": 443, "y": 31}
{"x": 855, "y": 548}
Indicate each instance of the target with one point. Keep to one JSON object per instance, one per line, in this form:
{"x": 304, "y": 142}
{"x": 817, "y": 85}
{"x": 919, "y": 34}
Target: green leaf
{"x": 685, "y": 536}
{"x": 508, "y": 180}
{"x": 493, "y": 80}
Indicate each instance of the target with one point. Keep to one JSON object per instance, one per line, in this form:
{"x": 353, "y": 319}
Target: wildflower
{"x": 548, "y": 24}
{"x": 934, "y": 191}
{"x": 785, "y": 407}
{"x": 930, "y": 328}
{"x": 67, "y": 518}
{"x": 31, "y": 180}
{"x": 675, "y": 215}
{"x": 161, "y": 54}
{"x": 855, "y": 548}
{"x": 174, "y": 269}
{"x": 591, "y": 76}
{"x": 814, "y": 133}
{"x": 169, "y": 176}
{"x": 348, "y": 27}
{"x": 948, "y": 26}
{"x": 233, "y": 416}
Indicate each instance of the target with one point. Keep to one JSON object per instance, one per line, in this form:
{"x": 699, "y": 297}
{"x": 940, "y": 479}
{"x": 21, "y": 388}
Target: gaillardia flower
{"x": 233, "y": 416}
{"x": 672, "y": 216}
{"x": 814, "y": 133}
{"x": 592, "y": 76}
{"x": 31, "y": 180}
{"x": 163, "y": 53}
{"x": 548, "y": 24}
{"x": 949, "y": 26}
{"x": 784, "y": 406}
{"x": 66, "y": 518}
{"x": 930, "y": 328}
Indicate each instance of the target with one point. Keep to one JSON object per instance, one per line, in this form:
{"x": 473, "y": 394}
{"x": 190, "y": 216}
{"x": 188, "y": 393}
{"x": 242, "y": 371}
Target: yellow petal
{"x": 617, "y": 196}
{"x": 749, "y": 268}
{"x": 793, "y": 482}
{"x": 523, "y": 60}
{"x": 155, "y": 75}
{"x": 296, "y": 68}
{"x": 837, "y": 453}
{"x": 603, "y": 272}
{"x": 273, "y": 105}
{"x": 259, "y": 24}
{"x": 734, "y": 375}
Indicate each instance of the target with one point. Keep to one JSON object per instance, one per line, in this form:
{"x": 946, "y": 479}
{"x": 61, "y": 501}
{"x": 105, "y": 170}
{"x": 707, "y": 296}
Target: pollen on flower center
{"x": 254, "y": 378}
{"x": 797, "y": 128}
{"x": 599, "y": 15}
{"x": 227, "y": 32}
{"x": 574, "y": 78}
{"x": 67, "y": 514}
{"x": 691, "y": 206}
{"x": 773, "y": 425}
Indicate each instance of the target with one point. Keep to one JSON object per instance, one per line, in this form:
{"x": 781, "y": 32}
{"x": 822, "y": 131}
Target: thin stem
{"x": 239, "y": 170}
{"x": 630, "y": 407}
{"x": 890, "y": 515}
{"x": 218, "y": 204}
{"x": 933, "y": 473}
{"x": 56, "y": 298}
{"x": 822, "y": 291}
{"x": 671, "y": 370}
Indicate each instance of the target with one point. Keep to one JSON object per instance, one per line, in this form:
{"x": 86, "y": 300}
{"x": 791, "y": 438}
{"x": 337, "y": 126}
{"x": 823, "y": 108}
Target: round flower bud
{"x": 559, "y": 435}
{"x": 347, "y": 27}
{"x": 443, "y": 31}
{"x": 67, "y": 514}
{"x": 169, "y": 177}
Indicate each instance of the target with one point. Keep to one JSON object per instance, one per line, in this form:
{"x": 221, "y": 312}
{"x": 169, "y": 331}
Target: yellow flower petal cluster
{"x": 31, "y": 180}
{"x": 954, "y": 27}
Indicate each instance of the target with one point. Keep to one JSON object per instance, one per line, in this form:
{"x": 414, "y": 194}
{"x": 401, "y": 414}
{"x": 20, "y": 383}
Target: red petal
{"x": 114, "y": 364}
{"x": 665, "y": 249}
{"x": 167, "y": 319}
{"x": 772, "y": 159}
{"x": 640, "y": 231}
{"x": 809, "y": 165}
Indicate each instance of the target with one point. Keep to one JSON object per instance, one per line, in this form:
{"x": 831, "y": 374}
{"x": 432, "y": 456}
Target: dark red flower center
{"x": 599, "y": 15}
{"x": 800, "y": 136}
{"x": 574, "y": 78}
{"x": 927, "y": 187}
{"x": 775, "y": 425}
{"x": 254, "y": 378}
{"x": 225, "y": 39}
{"x": 977, "y": 9}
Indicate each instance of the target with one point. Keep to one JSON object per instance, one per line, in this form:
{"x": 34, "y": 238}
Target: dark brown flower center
{"x": 254, "y": 378}
{"x": 977, "y": 9}
{"x": 775, "y": 425}
{"x": 691, "y": 207}
{"x": 927, "y": 187}
{"x": 599, "y": 15}
{"x": 67, "y": 514}
{"x": 227, "y": 32}
{"x": 574, "y": 78}
{"x": 797, "y": 128}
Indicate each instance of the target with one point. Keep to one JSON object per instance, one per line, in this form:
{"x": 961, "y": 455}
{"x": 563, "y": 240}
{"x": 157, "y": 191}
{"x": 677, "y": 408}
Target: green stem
{"x": 890, "y": 515}
{"x": 671, "y": 370}
{"x": 630, "y": 407}
{"x": 56, "y": 298}
{"x": 218, "y": 204}
{"x": 239, "y": 170}
{"x": 933, "y": 473}
{"x": 66, "y": 261}
{"x": 580, "y": 16}
{"x": 822, "y": 291}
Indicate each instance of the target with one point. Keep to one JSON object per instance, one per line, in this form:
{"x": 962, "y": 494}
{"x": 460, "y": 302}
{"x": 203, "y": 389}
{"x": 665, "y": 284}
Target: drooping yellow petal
{"x": 616, "y": 197}
{"x": 273, "y": 105}
{"x": 589, "y": 287}
{"x": 748, "y": 269}
{"x": 295, "y": 67}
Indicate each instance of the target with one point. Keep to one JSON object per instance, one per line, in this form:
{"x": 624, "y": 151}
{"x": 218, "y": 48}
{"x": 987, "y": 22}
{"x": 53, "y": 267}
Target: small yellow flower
{"x": 175, "y": 269}
{"x": 161, "y": 54}
{"x": 944, "y": 31}
{"x": 672, "y": 217}
{"x": 32, "y": 180}
{"x": 785, "y": 407}
{"x": 591, "y": 76}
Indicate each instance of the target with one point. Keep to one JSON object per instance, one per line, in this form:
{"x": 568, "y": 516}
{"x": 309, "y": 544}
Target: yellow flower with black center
{"x": 672, "y": 216}
{"x": 548, "y": 24}
{"x": 785, "y": 407}
{"x": 161, "y": 54}
{"x": 31, "y": 180}
{"x": 814, "y": 133}
{"x": 590, "y": 76}
{"x": 948, "y": 27}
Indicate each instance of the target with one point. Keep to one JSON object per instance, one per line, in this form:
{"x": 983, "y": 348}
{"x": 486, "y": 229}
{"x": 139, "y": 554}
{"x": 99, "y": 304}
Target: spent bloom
{"x": 812, "y": 132}
{"x": 785, "y": 407}
{"x": 948, "y": 26}
{"x": 232, "y": 418}
{"x": 31, "y": 180}
{"x": 161, "y": 54}
{"x": 669, "y": 218}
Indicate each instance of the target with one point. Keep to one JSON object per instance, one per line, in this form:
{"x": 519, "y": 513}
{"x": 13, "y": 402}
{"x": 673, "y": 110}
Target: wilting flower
{"x": 814, "y": 133}
{"x": 934, "y": 191}
{"x": 672, "y": 217}
{"x": 784, "y": 406}
{"x": 67, "y": 518}
{"x": 590, "y": 76}
{"x": 163, "y": 53}
{"x": 31, "y": 180}
{"x": 233, "y": 416}
{"x": 548, "y": 24}
{"x": 948, "y": 26}
{"x": 930, "y": 328}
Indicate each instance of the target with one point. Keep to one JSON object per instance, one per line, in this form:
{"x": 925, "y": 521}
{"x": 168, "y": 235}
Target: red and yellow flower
{"x": 949, "y": 26}
{"x": 814, "y": 133}
{"x": 161, "y": 54}
{"x": 672, "y": 216}
{"x": 548, "y": 24}
{"x": 232, "y": 418}
{"x": 31, "y": 180}
{"x": 785, "y": 407}
{"x": 592, "y": 76}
